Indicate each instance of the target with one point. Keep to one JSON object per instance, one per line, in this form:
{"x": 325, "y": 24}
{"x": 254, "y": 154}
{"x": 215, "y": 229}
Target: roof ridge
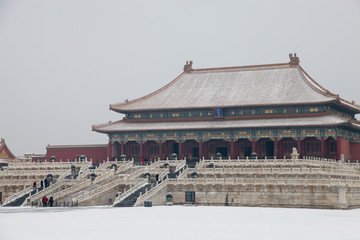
{"x": 240, "y": 67}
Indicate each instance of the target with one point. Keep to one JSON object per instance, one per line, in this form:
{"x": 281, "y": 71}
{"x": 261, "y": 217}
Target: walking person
{"x": 42, "y": 184}
{"x": 34, "y": 185}
{"x": 46, "y": 182}
{"x": 51, "y": 201}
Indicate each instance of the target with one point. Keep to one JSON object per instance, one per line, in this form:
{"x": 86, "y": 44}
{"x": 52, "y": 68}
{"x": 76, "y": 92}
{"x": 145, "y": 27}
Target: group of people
{"x": 45, "y": 201}
{"x": 42, "y": 183}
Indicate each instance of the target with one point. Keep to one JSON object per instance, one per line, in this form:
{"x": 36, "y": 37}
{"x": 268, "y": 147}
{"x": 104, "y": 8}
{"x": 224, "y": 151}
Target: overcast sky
{"x": 62, "y": 62}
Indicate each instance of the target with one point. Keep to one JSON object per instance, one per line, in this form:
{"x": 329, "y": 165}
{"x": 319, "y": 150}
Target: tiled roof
{"x": 122, "y": 126}
{"x": 5, "y": 152}
{"x": 276, "y": 84}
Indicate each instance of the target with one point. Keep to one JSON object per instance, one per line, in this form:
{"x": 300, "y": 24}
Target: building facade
{"x": 267, "y": 109}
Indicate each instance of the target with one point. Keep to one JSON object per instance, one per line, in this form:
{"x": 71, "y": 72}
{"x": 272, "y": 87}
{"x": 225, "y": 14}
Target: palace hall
{"x": 236, "y": 111}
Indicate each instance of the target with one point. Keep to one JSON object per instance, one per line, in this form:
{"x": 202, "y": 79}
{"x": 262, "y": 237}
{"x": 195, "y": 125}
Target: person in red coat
{"x": 44, "y": 201}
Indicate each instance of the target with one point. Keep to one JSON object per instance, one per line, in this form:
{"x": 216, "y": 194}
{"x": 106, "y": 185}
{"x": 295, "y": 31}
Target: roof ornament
{"x": 294, "y": 60}
{"x": 126, "y": 100}
{"x": 188, "y": 66}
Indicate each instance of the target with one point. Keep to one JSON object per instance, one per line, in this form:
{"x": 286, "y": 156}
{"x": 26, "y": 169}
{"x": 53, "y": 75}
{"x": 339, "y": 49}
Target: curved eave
{"x": 117, "y": 107}
{"x": 350, "y": 106}
{"x": 355, "y": 124}
{"x": 340, "y": 101}
{"x": 227, "y": 106}
{"x": 122, "y": 126}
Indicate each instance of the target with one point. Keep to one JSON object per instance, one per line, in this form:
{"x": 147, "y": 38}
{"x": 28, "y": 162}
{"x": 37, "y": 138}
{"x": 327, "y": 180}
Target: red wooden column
{"x": 180, "y": 149}
{"x": 299, "y": 147}
{"x": 109, "y": 151}
{"x": 232, "y": 149}
{"x": 322, "y": 147}
{"x": 276, "y": 148}
{"x": 200, "y": 149}
{"x": 338, "y": 148}
{"x": 122, "y": 148}
{"x": 141, "y": 150}
{"x": 253, "y": 146}
{"x": 160, "y": 149}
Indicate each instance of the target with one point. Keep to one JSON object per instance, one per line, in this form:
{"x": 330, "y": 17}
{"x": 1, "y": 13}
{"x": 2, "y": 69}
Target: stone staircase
{"x": 131, "y": 199}
{"x": 20, "y": 200}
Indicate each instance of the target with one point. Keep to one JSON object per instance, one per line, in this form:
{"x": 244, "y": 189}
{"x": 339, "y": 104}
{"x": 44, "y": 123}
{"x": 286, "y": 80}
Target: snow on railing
{"x": 84, "y": 170}
{"x": 184, "y": 173}
{"x": 85, "y": 196}
{"x": 130, "y": 191}
{"x": 144, "y": 197}
{"x": 125, "y": 166}
{"x": 74, "y": 188}
{"x": 52, "y": 189}
{"x": 16, "y": 195}
{"x": 106, "y": 173}
{"x": 269, "y": 180}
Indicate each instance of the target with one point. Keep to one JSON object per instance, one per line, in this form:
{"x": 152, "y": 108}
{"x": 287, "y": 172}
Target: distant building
{"x": 234, "y": 111}
{"x": 5, "y": 153}
{"x": 95, "y": 152}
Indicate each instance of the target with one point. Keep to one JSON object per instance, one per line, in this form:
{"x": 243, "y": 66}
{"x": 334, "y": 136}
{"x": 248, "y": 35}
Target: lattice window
{"x": 153, "y": 149}
{"x": 313, "y": 148}
{"x": 288, "y": 146}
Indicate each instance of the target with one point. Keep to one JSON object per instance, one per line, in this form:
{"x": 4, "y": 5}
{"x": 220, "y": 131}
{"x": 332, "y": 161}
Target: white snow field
{"x": 178, "y": 222}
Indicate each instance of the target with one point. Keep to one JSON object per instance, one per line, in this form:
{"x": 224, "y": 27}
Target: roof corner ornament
{"x": 188, "y": 66}
{"x": 294, "y": 60}
{"x": 353, "y": 102}
{"x": 126, "y": 100}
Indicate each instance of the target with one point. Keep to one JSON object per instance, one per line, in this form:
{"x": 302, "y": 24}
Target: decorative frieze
{"x": 235, "y": 111}
{"x": 228, "y": 134}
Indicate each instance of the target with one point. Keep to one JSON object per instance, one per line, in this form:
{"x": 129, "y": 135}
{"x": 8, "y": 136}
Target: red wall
{"x": 96, "y": 154}
{"x": 355, "y": 151}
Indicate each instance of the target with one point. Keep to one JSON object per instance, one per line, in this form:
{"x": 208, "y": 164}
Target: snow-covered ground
{"x": 178, "y": 222}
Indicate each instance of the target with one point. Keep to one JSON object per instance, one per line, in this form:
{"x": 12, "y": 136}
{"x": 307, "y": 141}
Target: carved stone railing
{"x": 59, "y": 194}
{"x": 52, "y": 189}
{"x": 103, "y": 189}
{"x": 266, "y": 180}
{"x": 106, "y": 173}
{"x": 16, "y": 195}
{"x": 148, "y": 194}
{"x": 130, "y": 191}
{"x": 73, "y": 189}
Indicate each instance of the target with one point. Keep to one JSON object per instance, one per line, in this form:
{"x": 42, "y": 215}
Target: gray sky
{"x": 62, "y": 62}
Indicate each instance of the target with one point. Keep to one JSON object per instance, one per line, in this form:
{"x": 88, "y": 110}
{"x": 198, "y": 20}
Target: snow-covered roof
{"x": 276, "y": 84}
{"x": 76, "y": 146}
{"x": 123, "y": 126}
